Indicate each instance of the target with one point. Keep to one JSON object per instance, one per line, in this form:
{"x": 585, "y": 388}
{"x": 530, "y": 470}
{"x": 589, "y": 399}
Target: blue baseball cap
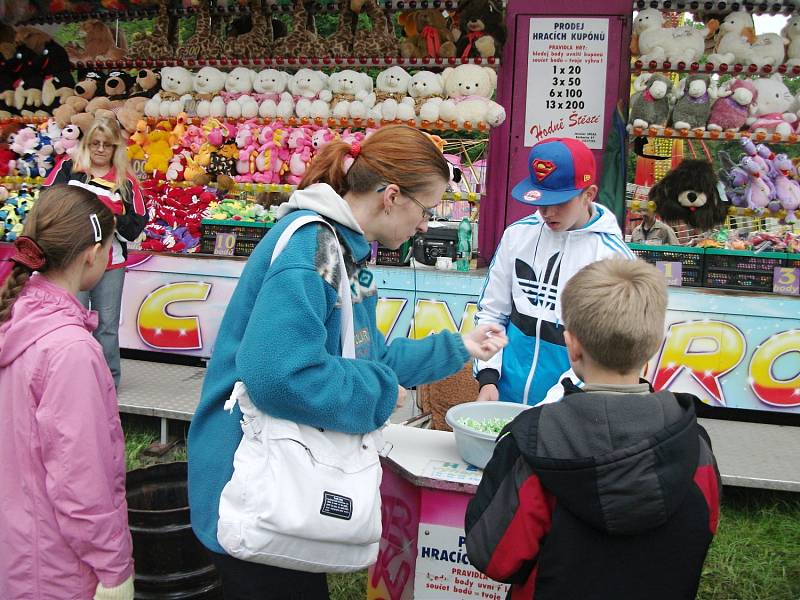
{"x": 559, "y": 169}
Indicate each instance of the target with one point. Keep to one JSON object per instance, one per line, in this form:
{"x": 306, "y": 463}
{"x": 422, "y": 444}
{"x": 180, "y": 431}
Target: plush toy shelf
{"x": 276, "y": 5}
{"x": 326, "y": 61}
{"x": 703, "y": 134}
{"x": 773, "y": 8}
{"x": 723, "y": 69}
{"x": 639, "y": 206}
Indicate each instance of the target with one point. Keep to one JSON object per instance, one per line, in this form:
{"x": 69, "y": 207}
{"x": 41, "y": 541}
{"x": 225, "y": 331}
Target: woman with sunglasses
{"x": 281, "y": 331}
{"x": 101, "y": 166}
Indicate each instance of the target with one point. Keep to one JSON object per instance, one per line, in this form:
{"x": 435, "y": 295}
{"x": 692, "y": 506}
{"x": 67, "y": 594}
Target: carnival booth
{"x": 226, "y": 104}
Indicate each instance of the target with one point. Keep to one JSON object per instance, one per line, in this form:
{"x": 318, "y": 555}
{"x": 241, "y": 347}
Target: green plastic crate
{"x": 691, "y": 259}
{"x": 741, "y": 269}
{"x": 248, "y": 234}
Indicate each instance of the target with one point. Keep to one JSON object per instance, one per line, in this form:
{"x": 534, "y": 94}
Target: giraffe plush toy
{"x": 156, "y": 43}
{"x": 204, "y": 43}
{"x": 257, "y": 42}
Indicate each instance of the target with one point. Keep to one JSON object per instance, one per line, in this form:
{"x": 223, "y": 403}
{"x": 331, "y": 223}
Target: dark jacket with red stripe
{"x": 599, "y": 496}
{"x": 128, "y": 207}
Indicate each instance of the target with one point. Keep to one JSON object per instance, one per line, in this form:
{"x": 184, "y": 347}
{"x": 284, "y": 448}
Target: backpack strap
{"x": 347, "y": 329}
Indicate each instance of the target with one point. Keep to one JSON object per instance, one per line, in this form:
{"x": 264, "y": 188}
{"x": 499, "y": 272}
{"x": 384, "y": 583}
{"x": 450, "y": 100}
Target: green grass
{"x": 755, "y": 554}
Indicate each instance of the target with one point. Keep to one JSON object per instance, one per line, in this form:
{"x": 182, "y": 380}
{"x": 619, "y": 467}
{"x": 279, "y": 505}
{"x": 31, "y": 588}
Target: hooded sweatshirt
{"x": 522, "y": 293}
{"x": 63, "y": 514}
{"x": 600, "y": 496}
{"x": 281, "y": 336}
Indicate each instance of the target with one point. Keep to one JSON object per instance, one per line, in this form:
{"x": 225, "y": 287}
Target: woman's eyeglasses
{"x": 428, "y": 214}
{"x": 97, "y": 145}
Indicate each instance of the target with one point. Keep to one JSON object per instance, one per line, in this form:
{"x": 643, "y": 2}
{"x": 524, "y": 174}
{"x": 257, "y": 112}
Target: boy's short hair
{"x": 616, "y": 310}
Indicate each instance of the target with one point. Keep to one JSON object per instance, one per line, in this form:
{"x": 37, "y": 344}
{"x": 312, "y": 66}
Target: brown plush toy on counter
{"x": 431, "y": 35}
{"x": 98, "y": 43}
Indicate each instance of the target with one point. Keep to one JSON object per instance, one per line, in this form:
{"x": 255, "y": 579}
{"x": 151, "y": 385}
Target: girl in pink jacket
{"x": 63, "y": 515}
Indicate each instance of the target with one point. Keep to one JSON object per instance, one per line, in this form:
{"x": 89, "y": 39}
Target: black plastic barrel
{"x": 170, "y": 563}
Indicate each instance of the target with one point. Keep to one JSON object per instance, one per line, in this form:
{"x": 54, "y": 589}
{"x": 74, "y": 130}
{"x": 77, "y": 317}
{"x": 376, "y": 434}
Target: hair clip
{"x": 355, "y": 149}
{"x": 98, "y": 232}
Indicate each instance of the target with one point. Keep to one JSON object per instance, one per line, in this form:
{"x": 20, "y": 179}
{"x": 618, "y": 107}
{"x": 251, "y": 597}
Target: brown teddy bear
{"x": 427, "y": 34}
{"x": 98, "y": 43}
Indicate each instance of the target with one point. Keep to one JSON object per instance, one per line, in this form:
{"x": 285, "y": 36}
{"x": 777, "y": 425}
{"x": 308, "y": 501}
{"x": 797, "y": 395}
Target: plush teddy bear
{"x": 650, "y": 103}
{"x": 482, "y": 30}
{"x": 732, "y": 106}
{"x": 310, "y": 93}
{"x": 791, "y": 32}
{"x": 352, "y": 94}
{"x": 269, "y": 89}
{"x": 427, "y": 90}
{"x": 693, "y": 102}
{"x": 429, "y": 35}
{"x": 469, "y": 91}
{"x": 391, "y": 96}
{"x": 771, "y": 112}
{"x": 177, "y": 84}
{"x": 130, "y": 113}
{"x": 55, "y": 91}
{"x": 238, "y": 99}
{"x": 148, "y": 82}
{"x": 208, "y": 85}
{"x": 653, "y": 41}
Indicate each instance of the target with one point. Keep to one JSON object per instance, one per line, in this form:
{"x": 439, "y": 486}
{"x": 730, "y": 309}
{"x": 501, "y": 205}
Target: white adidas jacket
{"x": 522, "y": 293}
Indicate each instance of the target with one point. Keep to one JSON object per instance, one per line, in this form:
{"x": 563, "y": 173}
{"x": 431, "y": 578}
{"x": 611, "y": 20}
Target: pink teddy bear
{"x": 301, "y": 150}
{"x": 246, "y": 137}
{"x": 68, "y": 142}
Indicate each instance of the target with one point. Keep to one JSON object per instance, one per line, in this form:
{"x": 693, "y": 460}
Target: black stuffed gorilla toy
{"x": 690, "y": 193}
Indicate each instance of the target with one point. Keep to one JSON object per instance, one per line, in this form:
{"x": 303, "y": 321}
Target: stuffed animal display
{"x": 762, "y": 104}
{"x": 761, "y": 181}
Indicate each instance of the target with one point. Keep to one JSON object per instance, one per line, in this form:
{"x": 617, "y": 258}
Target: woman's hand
{"x": 485, "y": 341}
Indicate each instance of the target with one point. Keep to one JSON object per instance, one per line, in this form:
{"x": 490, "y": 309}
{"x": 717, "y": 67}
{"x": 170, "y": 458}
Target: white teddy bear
{"x": 660, "y": 43}
{"x": 208, "y": 84}
{"x": 427, "y": 90}
{"x": 391, "y": 95}
{"x": 176, "y": 88}
{"x": 352, "y": 94}
{"x": 238, "y": 87}
{"x": 791, "y": 32}
{"x": 269, "y": 89}
{"x": 309, "y": 90}
{"x": 469, "y": 90}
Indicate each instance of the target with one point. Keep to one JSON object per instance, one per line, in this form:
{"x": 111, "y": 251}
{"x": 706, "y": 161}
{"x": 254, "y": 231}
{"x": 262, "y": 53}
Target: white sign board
{"x": 444, "y": 571}
{"x": 566, "y": 87}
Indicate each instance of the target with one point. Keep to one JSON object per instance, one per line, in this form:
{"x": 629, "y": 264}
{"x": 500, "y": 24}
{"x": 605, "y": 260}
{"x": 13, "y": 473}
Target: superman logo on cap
{"x": 542, "y": 168}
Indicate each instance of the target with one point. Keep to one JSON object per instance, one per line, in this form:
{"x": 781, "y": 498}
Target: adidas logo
{"x": 540, "y": 289}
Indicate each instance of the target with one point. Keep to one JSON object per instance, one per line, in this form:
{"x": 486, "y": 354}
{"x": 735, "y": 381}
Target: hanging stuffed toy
{"x": 690, "y": 193}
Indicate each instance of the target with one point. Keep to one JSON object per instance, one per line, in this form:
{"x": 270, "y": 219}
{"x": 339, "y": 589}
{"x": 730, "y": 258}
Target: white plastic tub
{"x": 474, "y": 446}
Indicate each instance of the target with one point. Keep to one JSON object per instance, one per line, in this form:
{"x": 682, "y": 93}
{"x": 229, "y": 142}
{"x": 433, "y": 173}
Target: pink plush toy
{"x": 787, "y": 190}
{"x": 246, "y": 141}
{"x": 301, "y": 148}
{"x": 68, "y": 142}
{"x": 322, "y": 137}
{"x": 732, "y": 107}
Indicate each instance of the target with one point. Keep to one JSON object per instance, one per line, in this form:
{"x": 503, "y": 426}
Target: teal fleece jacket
{"x": 281, "y": 336}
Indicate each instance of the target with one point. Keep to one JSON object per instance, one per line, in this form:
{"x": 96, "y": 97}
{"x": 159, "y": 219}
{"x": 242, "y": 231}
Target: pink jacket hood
{"x": 41, "y": 308}
{"x": 63, "y": 514}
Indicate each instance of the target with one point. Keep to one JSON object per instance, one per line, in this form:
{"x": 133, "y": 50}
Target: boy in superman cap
{"x": 536, "y": 257}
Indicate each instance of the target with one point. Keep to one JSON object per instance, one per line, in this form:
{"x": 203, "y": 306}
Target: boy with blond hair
{"x": 613, "y": 492}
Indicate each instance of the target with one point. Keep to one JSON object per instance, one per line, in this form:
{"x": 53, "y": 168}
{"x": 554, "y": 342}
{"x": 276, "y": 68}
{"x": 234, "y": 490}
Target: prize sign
{"x": 566, "y": 85}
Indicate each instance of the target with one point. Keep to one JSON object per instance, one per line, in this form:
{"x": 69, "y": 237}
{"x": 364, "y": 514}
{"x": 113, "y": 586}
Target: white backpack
{"x": 301, "y": 497}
